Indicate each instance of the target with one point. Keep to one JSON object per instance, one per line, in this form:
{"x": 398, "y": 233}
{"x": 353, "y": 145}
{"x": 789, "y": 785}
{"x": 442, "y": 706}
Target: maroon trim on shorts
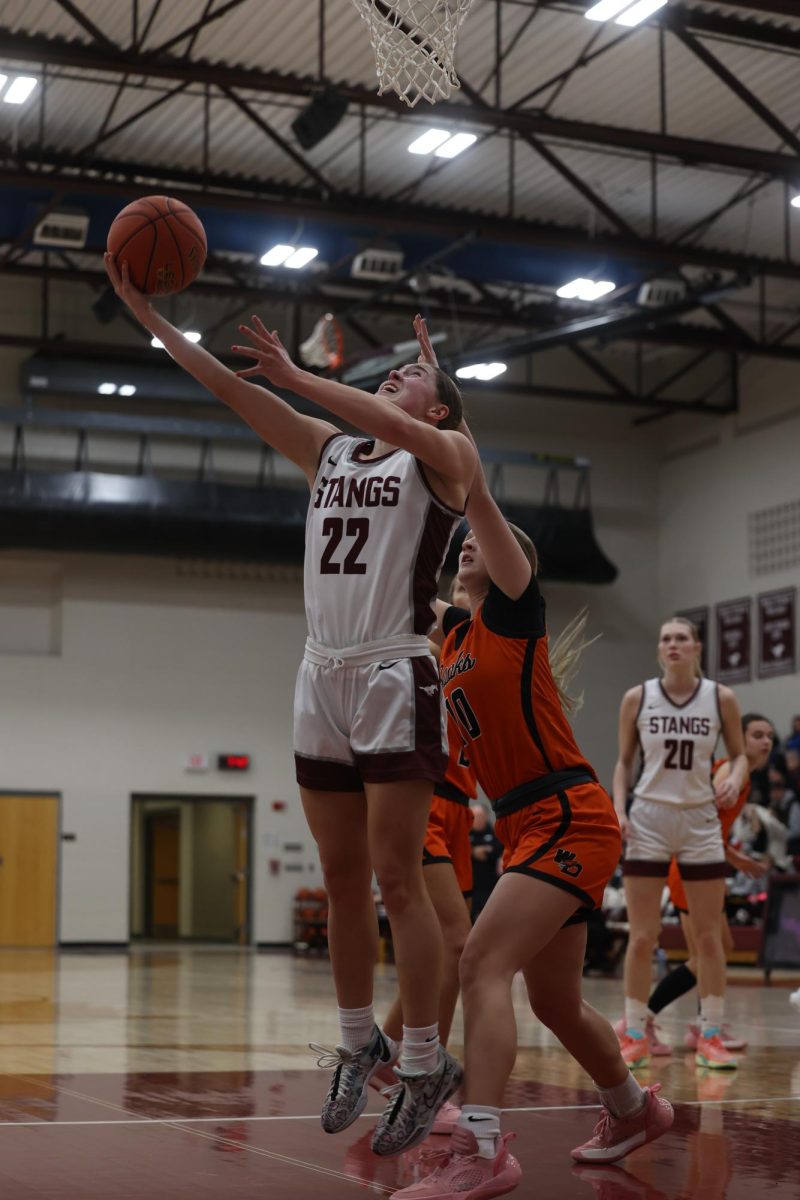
{"x": 399, "y": 768}
{"x": 427, "y": 760}
{"x": 693, "y": 872}
{"x": 322, "y": 775}
{"x": 645, "y": 867}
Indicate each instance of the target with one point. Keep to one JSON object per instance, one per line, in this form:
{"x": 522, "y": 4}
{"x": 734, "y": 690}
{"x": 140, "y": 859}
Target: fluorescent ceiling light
{"x": 482, "y": 371}
{"x": 640, "y": 12}
{"x": 457, "y": 143}
{"x": 19, "y": 89}
{"x": 156, "y": 343}
{"x": 127, "y": 389}
{"x": 795, "y": 201}
{"x": 107, "y": 389}
{"x": 193, "y": 336}
{"x": 277, "y": 256}
{"x": 3, "y": 81}
{"x": 301, "y": 257}
{"x": 606, "y": 9}
{"x": 427, "y": 142}
{"x": 586, "y": 289}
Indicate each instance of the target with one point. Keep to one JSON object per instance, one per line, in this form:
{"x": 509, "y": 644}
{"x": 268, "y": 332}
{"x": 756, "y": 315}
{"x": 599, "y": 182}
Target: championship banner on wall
{"x": 699, "y": 617}
{"x": 776, "y": 633}
{"x": 733, "y": 641}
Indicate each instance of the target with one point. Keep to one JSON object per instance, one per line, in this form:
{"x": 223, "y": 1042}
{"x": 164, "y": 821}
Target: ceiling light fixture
{"x": 127, "y": 389}
{"x": 19, "y": 89}
{"x": 482, "y": 371}
{"x": 107, "y": 389}
{"x": 624, "y": 12}
{"x": 288, "y": 256}
{"x": 795, "y": 201}
{"x": 442, "y": 143}
{"x": 585, "y": 289}
{"x": 301, "y": 257}
{"x": 193, "y": 336}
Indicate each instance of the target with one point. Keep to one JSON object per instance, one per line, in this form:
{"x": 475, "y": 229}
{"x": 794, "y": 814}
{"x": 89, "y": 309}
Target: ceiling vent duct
{"x": 63, "y": 228}
{"x": 381, "y": 265}
{"x": 660, "y": 293}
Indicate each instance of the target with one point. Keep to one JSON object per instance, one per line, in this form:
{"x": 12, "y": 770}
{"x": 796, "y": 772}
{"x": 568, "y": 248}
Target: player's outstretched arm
{"x": 445, "y": 451}
{"x": 300, "y": 438}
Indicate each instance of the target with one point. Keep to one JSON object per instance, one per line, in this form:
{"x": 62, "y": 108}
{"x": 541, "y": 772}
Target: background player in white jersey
{"x": 370, "y": 738}
{"x": 675, "y": 723}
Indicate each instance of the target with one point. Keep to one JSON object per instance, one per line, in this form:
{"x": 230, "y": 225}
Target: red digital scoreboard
{"x": 233, "y": 762}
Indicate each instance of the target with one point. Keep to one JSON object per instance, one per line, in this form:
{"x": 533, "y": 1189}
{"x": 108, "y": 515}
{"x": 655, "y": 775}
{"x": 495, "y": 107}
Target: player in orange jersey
{"x": 758, "y": 739}
{"x": 562, "y": 844}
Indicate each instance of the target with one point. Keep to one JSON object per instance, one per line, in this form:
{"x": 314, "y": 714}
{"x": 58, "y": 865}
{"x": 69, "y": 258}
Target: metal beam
{"x": 260, "y": 196}
{"x": 700, "y": 152}
{"x": 85, "y": 23}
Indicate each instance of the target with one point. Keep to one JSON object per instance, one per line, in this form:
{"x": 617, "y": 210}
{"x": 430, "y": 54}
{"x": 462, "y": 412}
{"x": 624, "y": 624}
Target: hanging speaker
{"x": 320, "y": 117}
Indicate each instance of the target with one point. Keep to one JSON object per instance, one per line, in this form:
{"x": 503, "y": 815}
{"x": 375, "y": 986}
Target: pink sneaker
{"x": 711, "y": 1052}
{"x": 446, "y": 1119}
{"x": 464, "y": 1175}
{"x": 727, "y": 1037}
{"x": 614, "y": 1137}
{"x": 635, "y": 1048}
{"x": 658, "y": 1048}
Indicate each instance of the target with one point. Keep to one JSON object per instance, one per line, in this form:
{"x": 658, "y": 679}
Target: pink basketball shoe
{"x": 615, "y": 1137}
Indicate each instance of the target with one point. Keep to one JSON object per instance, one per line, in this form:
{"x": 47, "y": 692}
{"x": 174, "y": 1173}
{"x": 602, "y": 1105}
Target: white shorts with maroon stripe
{"x": 358, "y": 721}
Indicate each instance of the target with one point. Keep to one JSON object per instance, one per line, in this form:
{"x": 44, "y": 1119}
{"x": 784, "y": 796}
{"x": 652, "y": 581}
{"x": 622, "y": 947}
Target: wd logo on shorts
{"x": 566, "y": 862}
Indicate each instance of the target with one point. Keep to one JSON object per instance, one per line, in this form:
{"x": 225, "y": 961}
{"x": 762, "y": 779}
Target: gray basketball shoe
{"x": 413, "y": 1104}
{"x": 352, "y": 1071}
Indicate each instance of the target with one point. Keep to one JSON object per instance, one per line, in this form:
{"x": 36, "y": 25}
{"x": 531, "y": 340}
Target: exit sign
{"x": 233, "y": 762}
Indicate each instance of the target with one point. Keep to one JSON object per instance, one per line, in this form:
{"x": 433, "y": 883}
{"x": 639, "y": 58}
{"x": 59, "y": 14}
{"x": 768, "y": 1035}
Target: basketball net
{"x": 415, "y": 44}
{"x": 325, "y": 345}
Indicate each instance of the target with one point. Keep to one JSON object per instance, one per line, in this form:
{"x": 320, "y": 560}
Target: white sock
{"x": 623, "y": 1100}
{"x": 483, "y": 1122}
{"x": 357, "y": 1025}
{"x": 636, "y": 1013}
{"x": 711, "y": 1008}
{"x": 420, "y": 1051}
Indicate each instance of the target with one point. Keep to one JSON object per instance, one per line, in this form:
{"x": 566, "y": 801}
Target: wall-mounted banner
{"x": 699, "y": 617}
{"x": 776, "y": 633}
{"x": 733, "y": 641}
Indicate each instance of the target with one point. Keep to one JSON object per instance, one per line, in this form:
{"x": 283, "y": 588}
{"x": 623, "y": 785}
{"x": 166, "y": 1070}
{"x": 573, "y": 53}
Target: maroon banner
{"x": 699, "y": 618}
{"x": 733, "y": 641}
{"x": 776, "y": 633}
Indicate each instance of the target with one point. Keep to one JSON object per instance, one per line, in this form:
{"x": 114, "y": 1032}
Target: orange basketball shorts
{"x": 570, "y": 839}
{"x": 447, "y": 839}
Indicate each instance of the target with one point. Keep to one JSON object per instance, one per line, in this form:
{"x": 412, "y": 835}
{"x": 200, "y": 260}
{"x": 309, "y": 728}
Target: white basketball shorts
{"x": 657, "y": 832}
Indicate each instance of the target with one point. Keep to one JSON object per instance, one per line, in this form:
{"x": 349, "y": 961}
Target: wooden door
{"x": 164, "y": 832}
{"x": 28, "y": 870}
{"x": 241, "y": 857}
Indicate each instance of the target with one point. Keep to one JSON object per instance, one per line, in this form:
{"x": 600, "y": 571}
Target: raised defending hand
{"x": 136, "y": 301}
{"x": 271, "y": 356}
{"x": 427, "y": 354}
{"x": 726, "y": 793}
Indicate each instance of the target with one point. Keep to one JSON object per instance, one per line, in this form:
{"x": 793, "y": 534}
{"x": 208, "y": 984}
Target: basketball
{"x": 163, "y": 243}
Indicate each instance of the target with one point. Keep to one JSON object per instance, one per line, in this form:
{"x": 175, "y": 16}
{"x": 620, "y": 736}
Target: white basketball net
{"x": 415, "y": 44}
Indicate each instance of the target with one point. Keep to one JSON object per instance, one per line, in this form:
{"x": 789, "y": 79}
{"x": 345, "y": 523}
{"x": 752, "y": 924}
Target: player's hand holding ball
{"x": 121, "y": 282}
{"x": 271, "y": 356}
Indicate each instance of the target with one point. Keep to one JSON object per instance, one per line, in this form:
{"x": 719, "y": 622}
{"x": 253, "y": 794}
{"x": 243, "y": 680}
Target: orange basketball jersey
{"x": 727, "y": 817}
{"x": 500, "y": 691}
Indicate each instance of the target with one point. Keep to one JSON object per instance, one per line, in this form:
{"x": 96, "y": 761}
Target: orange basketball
{"x": 163, "y": 243}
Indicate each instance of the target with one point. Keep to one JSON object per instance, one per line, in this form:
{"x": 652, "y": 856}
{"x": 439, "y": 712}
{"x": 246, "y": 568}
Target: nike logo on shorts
{"x": 388, "y": 666}
{"x": 473, "y": 1120}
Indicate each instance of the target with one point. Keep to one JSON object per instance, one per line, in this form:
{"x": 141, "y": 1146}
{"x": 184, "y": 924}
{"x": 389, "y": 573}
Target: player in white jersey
{"x": 675, "y": 722}
{"x": 369, "y": 720}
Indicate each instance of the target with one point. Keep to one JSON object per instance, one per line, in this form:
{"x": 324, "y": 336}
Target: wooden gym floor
{"x": 184, "y": 1073}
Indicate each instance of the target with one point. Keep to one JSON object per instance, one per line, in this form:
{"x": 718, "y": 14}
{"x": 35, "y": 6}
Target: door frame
{"x": 49, "y": 794}
{"x": 249, "y": 802}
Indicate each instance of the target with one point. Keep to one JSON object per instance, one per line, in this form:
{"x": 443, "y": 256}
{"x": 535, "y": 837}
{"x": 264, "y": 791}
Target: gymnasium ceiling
{"x": 667, "y": 152}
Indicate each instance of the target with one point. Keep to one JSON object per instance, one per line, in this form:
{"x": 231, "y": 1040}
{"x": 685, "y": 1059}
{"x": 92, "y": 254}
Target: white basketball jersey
{"x": 376, "y": 540}
{"x": 677, "y": 742}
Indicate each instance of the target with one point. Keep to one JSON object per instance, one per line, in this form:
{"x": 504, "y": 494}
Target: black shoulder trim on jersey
{"x": 526, "y": 697}
{"x": 324, "y": 447}
{"x": 520, "y": 618}
{"x": 426, "y": 483}
{"x": 453, "y": 616}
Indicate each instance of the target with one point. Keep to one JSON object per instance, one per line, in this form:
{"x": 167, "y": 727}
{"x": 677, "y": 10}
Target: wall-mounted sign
{"x": 776, "y": 633}
{"x": 733, "y": 641}
{"x": 233, "y": 762}
{"x": 197, "y": 762}
{"x": 699, "y": 618}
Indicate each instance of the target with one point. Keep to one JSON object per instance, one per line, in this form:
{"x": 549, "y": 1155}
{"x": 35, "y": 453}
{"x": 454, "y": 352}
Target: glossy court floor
{"x": 185, "y": 1073}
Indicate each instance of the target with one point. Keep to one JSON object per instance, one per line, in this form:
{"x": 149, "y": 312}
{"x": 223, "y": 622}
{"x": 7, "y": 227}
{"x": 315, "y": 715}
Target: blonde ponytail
{"x": 565, "y": 655}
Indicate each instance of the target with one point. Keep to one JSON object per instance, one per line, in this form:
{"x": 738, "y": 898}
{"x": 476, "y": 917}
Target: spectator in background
{"x": 487, "y": 851}
{"x": 793, "y": 769}
{"x": 793, "y": 740}
{"x": 781, "y": 796}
